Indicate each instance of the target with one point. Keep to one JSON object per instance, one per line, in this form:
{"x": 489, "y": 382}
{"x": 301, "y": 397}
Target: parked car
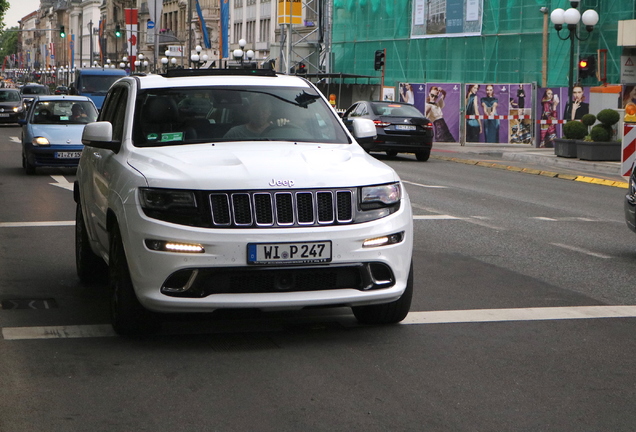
{"x": 52, "y": 131}
{"x": 11, "y": 108}
{"x": 400, "y": 127}
{"x": 61, "y": 90}
{"x": 264, "y": 200}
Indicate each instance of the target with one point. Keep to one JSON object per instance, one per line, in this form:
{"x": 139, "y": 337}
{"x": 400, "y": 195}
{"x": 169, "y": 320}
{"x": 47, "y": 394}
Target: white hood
{"x": 259, "y": 165}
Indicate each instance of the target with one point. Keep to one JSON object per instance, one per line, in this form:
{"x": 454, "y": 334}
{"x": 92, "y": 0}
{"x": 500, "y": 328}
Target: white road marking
{"x": 434, "y": 217}
{"x": 425, "y": 186}
{"x": 35, "y": 224}
{"x": 520, "y": 314}
{"x": 581, "y": 250}
{"x": 413, "y": 318}
{"x": 62, "y": 182}
{"x": 15, "y": 140}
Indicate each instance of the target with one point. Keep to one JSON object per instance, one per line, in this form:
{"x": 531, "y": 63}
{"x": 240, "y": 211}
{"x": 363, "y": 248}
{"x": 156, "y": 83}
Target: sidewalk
{"x": 524, "y": 155}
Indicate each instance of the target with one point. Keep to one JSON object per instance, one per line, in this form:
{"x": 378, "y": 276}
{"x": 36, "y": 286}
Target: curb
{"x": 585, "y": 179}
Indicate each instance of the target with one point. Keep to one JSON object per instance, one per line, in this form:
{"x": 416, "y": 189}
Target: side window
{"x": 351, "y": 112}
{"x": 361, "y": 110}
{"x": 114, "y": 111}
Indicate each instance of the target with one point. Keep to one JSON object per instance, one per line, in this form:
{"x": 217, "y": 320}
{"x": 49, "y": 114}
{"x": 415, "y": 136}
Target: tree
{"x": 4, "y": 7}
{"x": 8, "y": 42}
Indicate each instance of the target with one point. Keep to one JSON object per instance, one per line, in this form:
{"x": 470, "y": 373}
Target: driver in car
{"x": 259, "y": 123}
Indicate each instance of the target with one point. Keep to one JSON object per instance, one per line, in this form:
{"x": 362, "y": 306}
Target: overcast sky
{"x": 18, "y": 10}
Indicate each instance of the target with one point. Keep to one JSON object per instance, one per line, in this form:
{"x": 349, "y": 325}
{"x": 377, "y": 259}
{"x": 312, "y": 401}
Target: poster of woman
{"x": 442, "y": 109}
{"x": 474, "y": 127}
{"x": 549, "y": 115}
{"x": 520, "y": 128}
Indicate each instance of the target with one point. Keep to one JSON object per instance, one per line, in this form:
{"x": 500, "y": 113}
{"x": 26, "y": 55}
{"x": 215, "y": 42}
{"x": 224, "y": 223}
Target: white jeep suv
{"x": 199, "y": 190}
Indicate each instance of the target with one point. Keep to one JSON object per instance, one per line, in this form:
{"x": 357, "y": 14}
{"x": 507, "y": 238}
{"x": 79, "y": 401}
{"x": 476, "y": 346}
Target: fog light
{"x": 384, "y": 240}
{"x": 168, "y": 246}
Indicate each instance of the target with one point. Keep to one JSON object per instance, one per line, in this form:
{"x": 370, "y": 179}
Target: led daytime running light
{"x": 168, "y": 246}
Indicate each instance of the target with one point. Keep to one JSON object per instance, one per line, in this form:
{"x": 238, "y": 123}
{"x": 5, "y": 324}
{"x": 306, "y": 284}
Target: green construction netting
{"x": 509, "y": 49}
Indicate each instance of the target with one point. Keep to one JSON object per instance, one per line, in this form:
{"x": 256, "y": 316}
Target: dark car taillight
{"x": 380, "y": 123}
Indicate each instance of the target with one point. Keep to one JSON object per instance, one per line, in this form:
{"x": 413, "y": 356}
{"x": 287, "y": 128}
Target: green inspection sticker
{"x": 171, "y": 136}
{"x": 152, "y": 137}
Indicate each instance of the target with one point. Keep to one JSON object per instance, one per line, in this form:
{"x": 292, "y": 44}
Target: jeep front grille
{"x": 282, "y": 208}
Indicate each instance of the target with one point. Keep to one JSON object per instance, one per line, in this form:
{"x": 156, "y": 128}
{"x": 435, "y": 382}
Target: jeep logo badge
{"x": 287, "y": 183}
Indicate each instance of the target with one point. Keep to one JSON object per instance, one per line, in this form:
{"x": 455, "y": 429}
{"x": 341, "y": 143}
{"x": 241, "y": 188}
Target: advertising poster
{"x": 440, "y": 103}
{"x": 520, "y": 114}
{"x": 437, "y": 18}
{"x": 414, "y": 94}
{"x": 487, "y": 108}
{"x": 442, "y": 108}
{"x": 553, "y": 110}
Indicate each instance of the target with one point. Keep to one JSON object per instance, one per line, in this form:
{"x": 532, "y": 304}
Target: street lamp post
{"x": 571, "y": 17}
{"x": 197, "y": 59}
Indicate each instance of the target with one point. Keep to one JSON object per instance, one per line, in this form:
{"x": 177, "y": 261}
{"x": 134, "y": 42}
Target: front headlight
{"x": 372, "y": 197}
{"x": 17, "y": 109}
{"x": 172, "y": 205}
{"x": 378, "y": 201}
{"x": 40, "y": 141}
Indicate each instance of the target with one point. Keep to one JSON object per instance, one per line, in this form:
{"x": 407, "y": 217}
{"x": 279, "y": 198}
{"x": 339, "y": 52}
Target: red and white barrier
{"x": 551, "y": 121}
{"x": 629, "y": 149}
{"x": 499, "y": 117}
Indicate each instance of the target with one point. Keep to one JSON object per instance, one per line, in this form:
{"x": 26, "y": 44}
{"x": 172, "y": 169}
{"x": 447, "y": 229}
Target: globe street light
{"x": 571, "y": 17}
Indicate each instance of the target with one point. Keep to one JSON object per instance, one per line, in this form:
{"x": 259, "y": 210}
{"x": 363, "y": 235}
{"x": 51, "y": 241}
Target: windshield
{"x": 395, "y": 109}
{"x": 9, "y": 96}
{"x": 176, "y": 116}
{"x": 64, "y": 112}
{"x": 94, "y": 84}
{"x": 35, "y": 90}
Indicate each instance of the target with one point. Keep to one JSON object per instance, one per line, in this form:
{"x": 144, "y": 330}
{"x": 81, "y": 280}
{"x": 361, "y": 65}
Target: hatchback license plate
{"x": 68, "y": 155}
{"x": 405, "y": 127}
{"x": 4, "y": 115}
{"x": 289, "y": 253}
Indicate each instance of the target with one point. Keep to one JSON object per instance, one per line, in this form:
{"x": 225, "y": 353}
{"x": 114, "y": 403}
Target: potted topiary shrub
{"x": 573, "y": 131}
{"x": 601, "y": 145}
{"x": 588, "y": 120}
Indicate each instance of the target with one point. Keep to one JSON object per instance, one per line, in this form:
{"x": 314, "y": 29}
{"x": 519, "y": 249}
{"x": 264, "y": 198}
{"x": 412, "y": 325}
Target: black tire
{"x": 28, "y": 168}
{"x": 90, "y": 267}
{"x": 391, "y": 153}
{"x": 423, "y": 155}
{"x": 128, "y": 316}
{"x": 387, "y": 313}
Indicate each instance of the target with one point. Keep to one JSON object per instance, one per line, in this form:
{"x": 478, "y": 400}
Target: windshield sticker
{"x": 152, "y": 137}
{"x": 171, "y": 136}
{"x": 63, "y": 117}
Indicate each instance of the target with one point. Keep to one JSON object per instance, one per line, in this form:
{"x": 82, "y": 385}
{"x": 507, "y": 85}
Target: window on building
{"x": 263, "y": 35}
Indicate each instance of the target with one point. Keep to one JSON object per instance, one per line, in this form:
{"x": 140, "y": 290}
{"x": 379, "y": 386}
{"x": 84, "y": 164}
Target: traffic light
{"x": 62, "y": 32}
{"x": 379, "y": 60}
{"x": 587, "y": 66}
{"x": 302, "y": 69}
{"x": 117, "y": 31}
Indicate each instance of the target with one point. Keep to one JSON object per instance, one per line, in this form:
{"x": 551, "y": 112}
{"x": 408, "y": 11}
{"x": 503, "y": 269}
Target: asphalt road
{"x": 522, "y": 320}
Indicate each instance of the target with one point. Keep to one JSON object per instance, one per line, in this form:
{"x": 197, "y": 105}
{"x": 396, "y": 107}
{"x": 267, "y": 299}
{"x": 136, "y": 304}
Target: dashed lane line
{"x": 581, "y": 250}
{"x": 413, "y": 318}
{"x": 35, "y": 224}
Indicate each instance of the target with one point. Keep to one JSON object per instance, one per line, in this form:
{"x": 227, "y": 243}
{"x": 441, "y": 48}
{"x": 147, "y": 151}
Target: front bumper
{"x": 356, "y": 275}
{"x": 47, "y": 156}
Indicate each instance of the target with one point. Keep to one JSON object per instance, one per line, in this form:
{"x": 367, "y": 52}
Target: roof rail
{"x": 174, "y": 73}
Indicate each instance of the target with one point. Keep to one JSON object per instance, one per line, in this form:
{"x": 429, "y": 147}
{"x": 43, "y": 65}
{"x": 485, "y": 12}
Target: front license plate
{"x": 68, "y": 155}
{"x": 4, "y": 115}
{"x": 405, "y": 127}
{"x": 289, "y": 253}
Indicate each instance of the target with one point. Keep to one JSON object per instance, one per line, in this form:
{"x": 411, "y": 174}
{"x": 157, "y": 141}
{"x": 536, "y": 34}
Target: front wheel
{"x": 128, "y": 316}
{"x": 90, "y": 267}
{"x": 387, "y": 313}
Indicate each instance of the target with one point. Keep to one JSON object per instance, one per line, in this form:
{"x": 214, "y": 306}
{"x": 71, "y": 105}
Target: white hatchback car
{"x": 208, "y": 189}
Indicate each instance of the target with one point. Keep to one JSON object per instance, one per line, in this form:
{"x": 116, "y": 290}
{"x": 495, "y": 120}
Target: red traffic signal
{"x": 587, "y": 66}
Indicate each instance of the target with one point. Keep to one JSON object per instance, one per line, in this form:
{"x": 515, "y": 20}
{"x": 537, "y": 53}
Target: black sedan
{"x": 401, "y": 128}
{"x": 10, "y": 105}
{"x": 61, "y": 90}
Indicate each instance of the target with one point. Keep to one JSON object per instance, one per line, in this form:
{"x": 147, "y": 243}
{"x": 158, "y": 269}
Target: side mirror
{"x": 22, "y": 121}
{"x": 100, "y": 135}
{"x": 72, "y": 90}
{"x": 363, "y": 129}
